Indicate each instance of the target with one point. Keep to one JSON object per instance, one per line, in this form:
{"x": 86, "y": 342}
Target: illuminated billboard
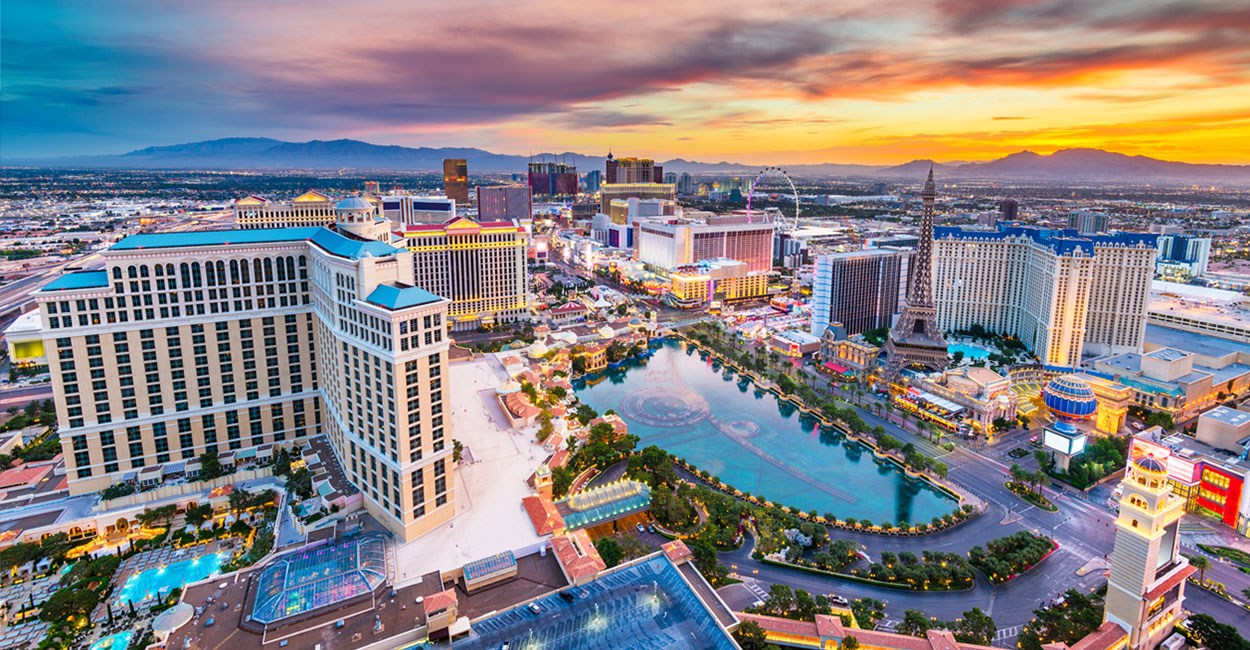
{"x": 1179, "y": 469}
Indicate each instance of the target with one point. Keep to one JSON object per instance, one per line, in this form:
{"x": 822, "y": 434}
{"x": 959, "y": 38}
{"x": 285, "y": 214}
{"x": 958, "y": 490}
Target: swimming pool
{"x": 119, "y": 641}
{"x": 686, "y": 404}
{"x": 158, "y": 582}
{"x": 970, "y": 351}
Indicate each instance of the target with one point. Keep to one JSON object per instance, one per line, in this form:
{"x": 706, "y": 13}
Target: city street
{"x": 1083, "y": 529}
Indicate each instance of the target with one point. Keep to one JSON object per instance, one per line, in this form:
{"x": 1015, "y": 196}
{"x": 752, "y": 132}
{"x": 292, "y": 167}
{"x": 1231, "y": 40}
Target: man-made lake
{"x": 691, "y": 406}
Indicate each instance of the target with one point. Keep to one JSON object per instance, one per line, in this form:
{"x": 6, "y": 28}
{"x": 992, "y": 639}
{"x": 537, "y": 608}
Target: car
{"x": 651, "y": 528}
{"x": 1035, "y": 443}
{"x": 533, "y": 607}
{"x": 568, "y": 596}
{"x": 1135, "y": 425}
{"x": 641, "y": 529}
{"x": 838, "y": 600}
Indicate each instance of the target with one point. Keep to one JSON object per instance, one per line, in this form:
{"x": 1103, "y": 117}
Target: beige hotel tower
{"x": 228, "y": 340}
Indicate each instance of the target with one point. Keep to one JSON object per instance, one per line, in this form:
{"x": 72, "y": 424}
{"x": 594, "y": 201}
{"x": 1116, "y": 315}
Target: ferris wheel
{"x": 782, "y": 223}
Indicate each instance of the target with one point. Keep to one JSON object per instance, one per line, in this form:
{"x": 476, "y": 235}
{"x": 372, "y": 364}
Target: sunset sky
{"x": 762, "y": 82}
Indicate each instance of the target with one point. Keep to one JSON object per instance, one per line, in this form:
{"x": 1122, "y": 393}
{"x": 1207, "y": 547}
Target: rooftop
{"x": 1204, "y": 344}
{"x": 489, "y": 516}
{"x": 620, "y": 608}
{"x": 299, "y": 583}
{"x": 79, "y": 280}
{"x": 1227, "y": 416}
{"x": 603, "y": 504}
{"x": 578, "y": 557}
{"x": 1063, "y": 241}
{"x": 330, "y": 241}
{"x": 400, "y": 296}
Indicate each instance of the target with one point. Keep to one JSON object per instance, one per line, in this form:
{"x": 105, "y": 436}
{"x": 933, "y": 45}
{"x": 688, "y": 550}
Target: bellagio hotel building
{"x": 227, "y": 340}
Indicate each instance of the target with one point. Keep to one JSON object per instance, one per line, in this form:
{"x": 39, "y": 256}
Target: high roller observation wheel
{"x": 776, "y": 171}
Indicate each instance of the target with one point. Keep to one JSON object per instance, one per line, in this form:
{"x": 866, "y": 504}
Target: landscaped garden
{"x": 1007, "y": 557}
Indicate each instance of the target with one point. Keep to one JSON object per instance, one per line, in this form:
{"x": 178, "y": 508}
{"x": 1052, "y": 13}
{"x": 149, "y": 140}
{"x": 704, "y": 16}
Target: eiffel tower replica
{"x": 915, "y": 340}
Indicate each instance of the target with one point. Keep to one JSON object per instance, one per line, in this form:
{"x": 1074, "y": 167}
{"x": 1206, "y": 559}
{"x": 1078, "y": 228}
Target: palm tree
{"x": 1201, "y": 564}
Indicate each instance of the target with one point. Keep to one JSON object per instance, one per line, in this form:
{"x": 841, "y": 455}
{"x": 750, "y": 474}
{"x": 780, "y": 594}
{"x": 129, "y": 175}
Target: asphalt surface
{"x": 1084, "y": 530}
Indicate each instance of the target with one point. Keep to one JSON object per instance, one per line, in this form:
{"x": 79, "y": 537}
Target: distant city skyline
{"x": 855, "y": 82}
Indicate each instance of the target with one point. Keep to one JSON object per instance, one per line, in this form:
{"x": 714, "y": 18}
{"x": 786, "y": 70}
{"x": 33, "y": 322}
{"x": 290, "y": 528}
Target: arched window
{"x": 131, "y": 272}
{"x": 143, "y": 271}
{"x": 117, "y": 272}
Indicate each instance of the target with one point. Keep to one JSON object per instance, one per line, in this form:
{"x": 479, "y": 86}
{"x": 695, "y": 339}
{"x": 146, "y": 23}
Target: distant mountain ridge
{"x": 267, "y": 153}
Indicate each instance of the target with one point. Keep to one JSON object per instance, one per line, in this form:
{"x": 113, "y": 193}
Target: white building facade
{"x": 1064, "y": 295}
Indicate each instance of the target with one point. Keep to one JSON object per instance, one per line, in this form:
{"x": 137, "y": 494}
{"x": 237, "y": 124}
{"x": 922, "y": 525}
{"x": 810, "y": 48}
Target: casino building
{"x": 220, "y": 341}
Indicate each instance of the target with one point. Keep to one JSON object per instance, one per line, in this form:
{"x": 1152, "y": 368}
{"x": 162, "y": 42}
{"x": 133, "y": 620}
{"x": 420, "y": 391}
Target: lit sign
{"x": 1179, "y": 469}
{"x": 1063, "y": 444}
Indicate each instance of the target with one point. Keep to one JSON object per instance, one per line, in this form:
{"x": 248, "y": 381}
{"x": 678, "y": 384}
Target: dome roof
{"x": 1150, "y": 464}
{"x": 353, "y": 203}
{"x": 538, "y": 349}
{"x": 1070, "y": 398}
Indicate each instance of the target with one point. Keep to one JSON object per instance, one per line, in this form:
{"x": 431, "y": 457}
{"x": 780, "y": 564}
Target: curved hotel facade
{"x": 225, "y": 341}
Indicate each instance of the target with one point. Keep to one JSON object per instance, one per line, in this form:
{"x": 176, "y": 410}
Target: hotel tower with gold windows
{"x": 223, "y": 341}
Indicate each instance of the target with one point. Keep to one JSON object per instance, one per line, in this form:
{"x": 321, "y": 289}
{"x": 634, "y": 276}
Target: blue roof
{"x": 393, "y": 297}
{"x": 488, "y": 565}
{"x": 1063, "y": 241}
{"x": 79, "y": 280}
{"x": 336, "y": 244}
{"x": 330, "y": 241}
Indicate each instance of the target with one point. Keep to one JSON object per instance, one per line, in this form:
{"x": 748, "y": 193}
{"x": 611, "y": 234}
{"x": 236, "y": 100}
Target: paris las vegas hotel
{"x": 228, "y": 340}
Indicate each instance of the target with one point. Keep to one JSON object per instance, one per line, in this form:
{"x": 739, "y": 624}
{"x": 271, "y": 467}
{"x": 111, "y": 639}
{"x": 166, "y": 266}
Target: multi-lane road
{"x": 1083, "y": 529}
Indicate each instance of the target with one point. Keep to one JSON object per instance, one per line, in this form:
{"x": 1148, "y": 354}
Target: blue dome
{"x": 353, "y": 203}
{"x": 1070, "y": 399}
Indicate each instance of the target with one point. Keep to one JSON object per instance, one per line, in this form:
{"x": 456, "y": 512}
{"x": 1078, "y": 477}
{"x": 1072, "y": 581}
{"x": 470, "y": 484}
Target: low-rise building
{"x": 1224, "y": 428}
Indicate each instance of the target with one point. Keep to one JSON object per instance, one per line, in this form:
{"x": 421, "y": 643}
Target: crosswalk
{"x": 755, "y": 588}
{"x": 1005, "y": 633}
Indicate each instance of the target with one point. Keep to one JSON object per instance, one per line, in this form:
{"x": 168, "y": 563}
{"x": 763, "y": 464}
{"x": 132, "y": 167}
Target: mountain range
{"x": 267, "y": 153}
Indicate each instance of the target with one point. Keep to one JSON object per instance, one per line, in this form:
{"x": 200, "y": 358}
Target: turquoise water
{"x": 119, "y": 641}
{"x": 692, "y": 407}
{"x": 970, "y": 351}
{"x": 154, "y": 583}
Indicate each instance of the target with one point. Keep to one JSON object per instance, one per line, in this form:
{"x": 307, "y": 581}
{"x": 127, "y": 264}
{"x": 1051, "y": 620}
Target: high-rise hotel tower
{"x": 227, "y": 340}
{"x": 1061, "y": 293}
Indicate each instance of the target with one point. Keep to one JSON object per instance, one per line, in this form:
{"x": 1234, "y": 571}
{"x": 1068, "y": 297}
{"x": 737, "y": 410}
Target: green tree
{"x": 867, "y": 612}
{"x": 1200, "y": 563}
{"x": 914, "y": 623}
{"x": 197, "y": 515}
{"x": 210, "y": 467}
{"x": 457, "y": 450}
{"x": 1080, "y": 615}
{"x": 1044, "y": 460}
{"x": 850, "y": 643}
{"x": 610, "y": 550}
{"x": 1216, "y": 635}
{"x": 750, "y": 636}
{"x": 976, "y": 627}
{"x": 66, "y": 604}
